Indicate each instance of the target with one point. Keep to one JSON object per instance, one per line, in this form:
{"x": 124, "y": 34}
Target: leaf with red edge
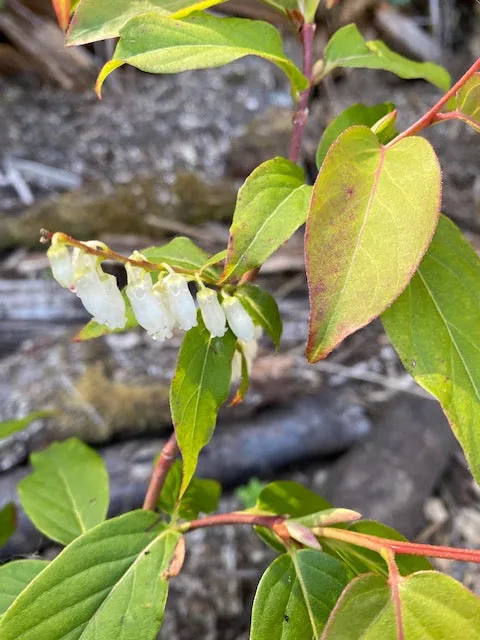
{"x": 62, "y": 10}
{"x": 373, "y": 213}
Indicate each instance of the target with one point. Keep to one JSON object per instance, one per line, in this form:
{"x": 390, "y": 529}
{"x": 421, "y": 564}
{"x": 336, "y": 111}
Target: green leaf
{"x": 296, "y": 595}
{"x": 95, "y": 20}
{"x": 12, "y": 426}
{"x": 248, "y": 493}
{"x": 182, "y": 253}
{"x": 283, "y": 5}
{"x": 373, "y": 213}
{"x": 200, "y": 385}
{"x": 95, "y": 330}
{"x": 67, "y": 493}
{"x": 348, "y": 48}
{"x": 159, "y": 44}
{"x": 309, "y": 9}
{"x": 112, "y": 582}
{"x": 434, "y": 327}
{"x": 356, "y": 114}
{"x": 430, "y": 605}
{"x": 14, "y": 577}
{"x": 8, "y": 522}
{"x": 202, "y": 495}
{"x": 468, "y": 101}
{"x": 263, "y": 309}
{"x": 271, "y": 205}
{"x": 361, "y": 560}
{"x": 286, "y": 498}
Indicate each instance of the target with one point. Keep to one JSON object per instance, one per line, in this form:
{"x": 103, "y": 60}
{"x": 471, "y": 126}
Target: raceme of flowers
{"x": 158, "y": 307}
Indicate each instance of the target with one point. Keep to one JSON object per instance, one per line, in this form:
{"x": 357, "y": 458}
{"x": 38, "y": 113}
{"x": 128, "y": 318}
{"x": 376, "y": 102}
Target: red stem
{"x": 165, "y": 460}
{"x": 235, "y": 518}
{"x": 432, "y": 115}
{"x": 301, "y": 114}
{"x": 408, "y": 548}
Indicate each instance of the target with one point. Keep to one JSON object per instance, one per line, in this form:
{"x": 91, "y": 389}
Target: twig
{"x": 432, "y": 116}
{"x": 234, "y": 518}
{"x": 165, "y": 460}
{"x": 301, "y": 114}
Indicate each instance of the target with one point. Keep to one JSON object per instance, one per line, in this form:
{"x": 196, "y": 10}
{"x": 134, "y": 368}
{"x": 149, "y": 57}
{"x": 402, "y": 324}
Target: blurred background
{"x": 162, "y": 156}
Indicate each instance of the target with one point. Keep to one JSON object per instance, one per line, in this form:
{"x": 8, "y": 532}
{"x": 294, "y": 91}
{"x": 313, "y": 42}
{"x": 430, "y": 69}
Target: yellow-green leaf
{"x": 14, "y": 577}
{"x": 429, "y": 605}
{"x": 372, "y": 216}
{"x": 348, "y": 48}
{"x": 271, "y": 205}
{"x": 99, "y": 20}
{"x": 200, "y": 385}
{"x": 434, "y": 326}
{"x": 468, "y": 101}
{"x": 159, "y": 44}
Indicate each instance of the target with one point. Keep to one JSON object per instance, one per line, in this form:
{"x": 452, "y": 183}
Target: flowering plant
{"x": 375, "y": 245}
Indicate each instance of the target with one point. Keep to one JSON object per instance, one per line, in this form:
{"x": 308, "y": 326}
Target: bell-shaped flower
{"x": 98, "y": 291}
{"x": 238, "y": 319}
{"x": 249, "y": 350}
{"x": 61, "y": 263}
{"x": 181, "y": 302}
{"x": 212, "y": 312}
{"x": 148, "y": 308}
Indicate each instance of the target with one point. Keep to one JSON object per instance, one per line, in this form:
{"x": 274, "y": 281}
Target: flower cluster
{"x": 159, "y": 306}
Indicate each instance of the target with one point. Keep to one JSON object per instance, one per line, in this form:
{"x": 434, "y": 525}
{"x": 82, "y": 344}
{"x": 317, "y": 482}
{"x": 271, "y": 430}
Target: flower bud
{"x": 212, "y": 312}
{"x": 61, "y": 263}
{"x": 238, "y": 319}
{"x": 181, "y": 301}
{"x": 147, "y": 307}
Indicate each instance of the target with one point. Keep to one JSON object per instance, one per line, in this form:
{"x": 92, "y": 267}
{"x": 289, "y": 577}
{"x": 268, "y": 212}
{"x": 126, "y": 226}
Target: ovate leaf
{"x": 159, "y": 44}
{"x": 263, "y": 308}
{"x": 434, "y": 327}
{"x": 200, "y": 385}
{"x": 372, "y": 216}
{"x": 67, "y": 493}
{"x": 271, "y": 205}
{"x": 12, "y": 426}
{"x": 8, "y": 522}
{"x": 356, "y": 114}
{"x": 348, "y": 48}
{"x": 14, "y": 577}
{"x": 182, "y": 253}
{"x": 112, "y": 582}
{"x": 296, "y": 595}
{"x": 468, "y": 101}
{"x": 95, "y": 20}
{"x": 428, "y": 603}
{"x": 202, "y": 495}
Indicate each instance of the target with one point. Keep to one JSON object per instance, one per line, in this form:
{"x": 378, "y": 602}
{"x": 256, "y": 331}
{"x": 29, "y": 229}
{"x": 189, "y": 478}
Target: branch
{"x": 165, "y": 460}
{"x": 301, "y": 114}
{"x": 432, "y": 116}
{"x": 271, "y": 522}
{"x": 374, "y": 543}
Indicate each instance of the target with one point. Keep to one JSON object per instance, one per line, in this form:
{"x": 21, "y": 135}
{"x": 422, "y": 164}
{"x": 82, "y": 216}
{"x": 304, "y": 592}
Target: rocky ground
{"x": 191, "y": 139}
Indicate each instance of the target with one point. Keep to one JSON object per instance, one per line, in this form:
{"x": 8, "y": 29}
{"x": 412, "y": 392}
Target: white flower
{"x": 147, "y": 306}
{"x": 61, "y": 263}
{"x": 181, "y": 301}
{"x": 98, "y": 291}
{"x": 238, "y": 319}
{"x": 212, "y": 312}
{"x": 250, "y": 350}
